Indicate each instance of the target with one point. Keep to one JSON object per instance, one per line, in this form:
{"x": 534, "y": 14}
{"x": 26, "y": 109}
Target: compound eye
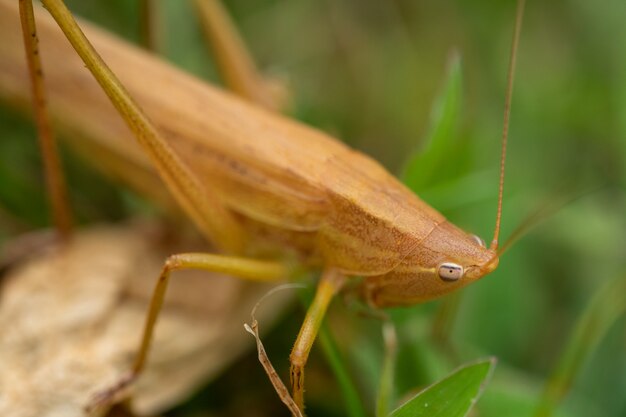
{"x": 450, "y": 272}
{"x": 478, "y": 240}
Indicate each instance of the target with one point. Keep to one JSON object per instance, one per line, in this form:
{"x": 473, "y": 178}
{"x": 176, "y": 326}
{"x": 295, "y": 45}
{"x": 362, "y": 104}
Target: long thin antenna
{"x": 507, "y": 113}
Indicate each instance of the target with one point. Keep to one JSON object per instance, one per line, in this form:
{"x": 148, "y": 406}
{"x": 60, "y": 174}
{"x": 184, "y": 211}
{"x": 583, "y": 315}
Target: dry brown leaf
{"x": 71, "y": 319}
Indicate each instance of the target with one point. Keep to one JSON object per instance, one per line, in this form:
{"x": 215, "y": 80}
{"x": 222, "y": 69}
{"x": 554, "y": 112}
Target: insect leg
{"x": 211, "y": 217}
{"x": 330, "y": 283}
{"x": 148, "y": 24}
{"x": 250, "y": 269}
{"x": 233, "y": 58}
{"x": 55, "y": 181}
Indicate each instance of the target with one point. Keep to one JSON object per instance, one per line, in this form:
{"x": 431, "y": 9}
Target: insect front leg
{"x": 330, "y": 283}
{"x": 249, "y": 269}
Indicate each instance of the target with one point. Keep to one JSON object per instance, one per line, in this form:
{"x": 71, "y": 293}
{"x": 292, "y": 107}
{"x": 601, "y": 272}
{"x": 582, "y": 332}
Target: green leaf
{"x": 453, "y": 396}
{"x": 425, "y": 165}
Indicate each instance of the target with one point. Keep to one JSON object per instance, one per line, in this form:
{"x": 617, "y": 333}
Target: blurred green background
{"x": 368, "y": 72}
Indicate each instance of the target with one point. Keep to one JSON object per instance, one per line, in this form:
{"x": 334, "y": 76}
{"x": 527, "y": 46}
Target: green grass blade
{"x": 354, "y": 407}
{"x": 453, "y": 396}
{"x": 385, "y": 387}
{"x": 604, "y": 309}
{"x": 424, "y": 165}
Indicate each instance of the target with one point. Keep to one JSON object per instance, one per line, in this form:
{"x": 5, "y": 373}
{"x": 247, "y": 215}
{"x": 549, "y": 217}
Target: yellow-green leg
{"x": 253, "y": 270}
{"x": 212, "y": 218}
{"x": 235, "y": 63}
{"x": 330, "y": 283}
{"x": 148, "y": 23}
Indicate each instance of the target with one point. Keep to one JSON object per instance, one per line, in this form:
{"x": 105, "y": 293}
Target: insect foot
{"x": 107, "y": 397}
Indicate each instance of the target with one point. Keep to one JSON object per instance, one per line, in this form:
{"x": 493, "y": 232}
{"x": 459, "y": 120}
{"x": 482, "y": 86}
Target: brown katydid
{"x": 348, "y": 215}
